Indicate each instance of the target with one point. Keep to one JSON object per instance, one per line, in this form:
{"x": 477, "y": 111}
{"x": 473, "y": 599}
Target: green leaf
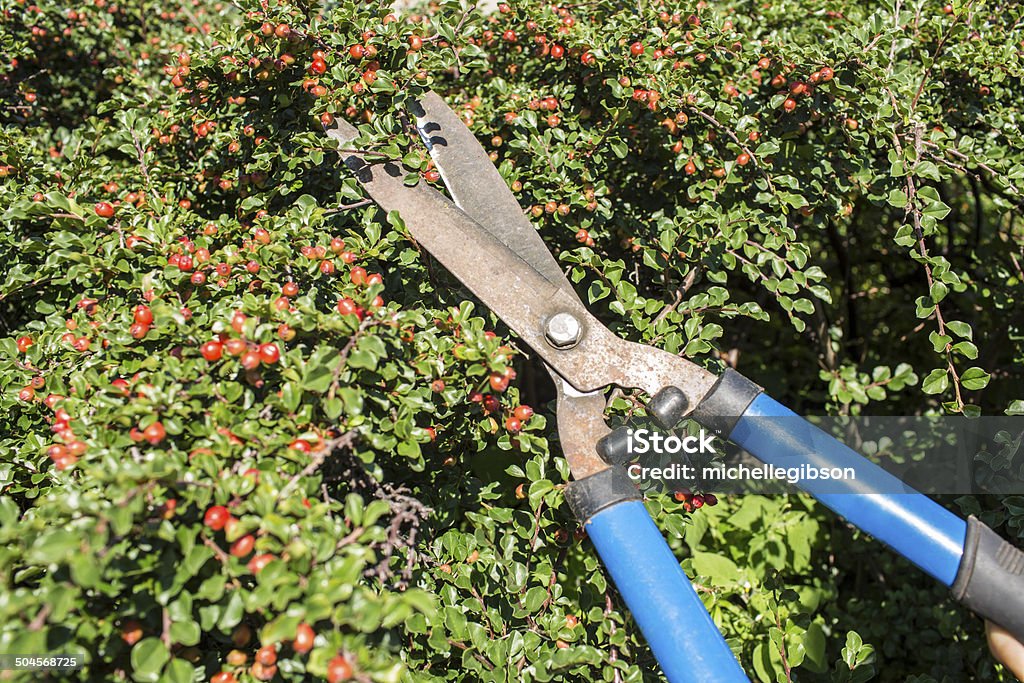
{"x": 148, "y": 658}
{"x": 936, "y": 382}
{"x": 974, "y": 379}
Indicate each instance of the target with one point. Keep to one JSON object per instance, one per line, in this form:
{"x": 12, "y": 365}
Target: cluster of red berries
{"x": 694, "y": 501}
{"x": 66, "y": 453}
{"x": 498, "y": 383}
{"x": 543, "y": 45}
{"x": 798, "y": 88}
{"x": 82, "y": 343}
{"x": 359, "y": 277}
{"x": 319, "y": 252}
{"x": 142, "y": 320}
{"x": 264, "y": 660}
{"x": 218, "y": 518}
{"x": 153, "y": 434}
{"x": 28, "y": 392}
{"x": 250, "y": 354}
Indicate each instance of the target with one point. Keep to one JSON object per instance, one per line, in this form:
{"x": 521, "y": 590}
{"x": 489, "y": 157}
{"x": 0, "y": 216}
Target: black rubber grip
{"x": 725, "y": 404}
{"x": 668, "y": 407}
{"x": 990, "y": 581}
{"x": 590, "y": 495}
{"x": 614, "y": 448}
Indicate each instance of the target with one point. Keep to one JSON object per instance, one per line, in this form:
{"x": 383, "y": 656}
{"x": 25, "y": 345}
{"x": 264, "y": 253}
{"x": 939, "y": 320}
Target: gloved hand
{"x": 1005, "y": 648}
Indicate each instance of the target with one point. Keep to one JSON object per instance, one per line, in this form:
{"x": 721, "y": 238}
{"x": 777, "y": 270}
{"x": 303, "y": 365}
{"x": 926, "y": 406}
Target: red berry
{"x": 355, "y": 52}
{"x": 347, "y": 306}
{"x": 690, "y": 168}
{"x": 143, "y": 315}
{"x": 26, "y": 394}
{"x": 131, "y": 631}
{"x": 243, "y": 546}
{"x": 491, "y": 403}
{"x": 636, "y": 49}
{"x": 235, "y": 346}
{"x": 266, "y": 655}
{"x": 216, "y": 517}
{"x": 523, "y": 413}
{"x": 498, "y": 381}
{"x": 587, "y": 58}
{"x": 415, "y": 43}
{"x": 104, "y": 210}
{"x": 257, "y": 563}
{"x": 789, "y": 104}
{"x": 251, "y": 360}
{"x": 743, "y": 159}
{"x": 318, "y": 66}
{"x": 338, "y": 670}
{"x": 358, "y": 275}
{"x": 269, "y": 353}
{"x": 23, "y": 344}
{"x": 557, "y": 51}
{"x": 304, "y": 638}
{"x": 154, "y": 433}
{"x": 223, "y": 677}
{"x": 513, "y": 425}
{"x": 138, "y": 330}
{"x": 211, "y": 350}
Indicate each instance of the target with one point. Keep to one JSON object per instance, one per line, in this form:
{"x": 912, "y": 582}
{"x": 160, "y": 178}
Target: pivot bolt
{"x": 563, "y": 330}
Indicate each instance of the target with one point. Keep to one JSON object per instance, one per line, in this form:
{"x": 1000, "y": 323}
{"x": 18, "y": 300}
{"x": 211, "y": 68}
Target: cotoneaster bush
{"x": 249, "y": 430}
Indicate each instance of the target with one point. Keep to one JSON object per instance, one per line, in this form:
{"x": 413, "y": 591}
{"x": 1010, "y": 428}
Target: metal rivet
{"x": 563, "y": 330}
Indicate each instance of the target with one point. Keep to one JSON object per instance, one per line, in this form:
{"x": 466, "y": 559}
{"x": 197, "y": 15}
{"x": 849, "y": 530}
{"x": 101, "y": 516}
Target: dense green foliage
{"x": 822, "y": 193}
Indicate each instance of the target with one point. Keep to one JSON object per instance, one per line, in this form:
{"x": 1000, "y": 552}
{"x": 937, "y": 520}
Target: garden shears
{"x": 482, "y": 236}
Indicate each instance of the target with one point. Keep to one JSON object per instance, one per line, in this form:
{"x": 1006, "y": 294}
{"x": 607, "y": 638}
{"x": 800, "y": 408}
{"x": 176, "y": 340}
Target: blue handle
{"x": 910, "y": 523}
{"x": 664, "y": 604}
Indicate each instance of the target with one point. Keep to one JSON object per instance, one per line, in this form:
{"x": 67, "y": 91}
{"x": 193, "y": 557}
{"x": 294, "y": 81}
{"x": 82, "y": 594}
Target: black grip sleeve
{"x": 590, "y": 495}
{"x": 990, "y": 580}
{"x": 726, "y": 402}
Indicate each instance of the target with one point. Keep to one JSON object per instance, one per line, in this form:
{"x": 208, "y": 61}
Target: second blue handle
{"x": 910, "y": 523}
{"x": 664, "y": 604}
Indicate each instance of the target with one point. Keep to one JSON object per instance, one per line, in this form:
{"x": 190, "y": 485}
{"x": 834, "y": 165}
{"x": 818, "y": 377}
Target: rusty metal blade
{"x": 516, "y": 292}
{"x": 478, "y": 188}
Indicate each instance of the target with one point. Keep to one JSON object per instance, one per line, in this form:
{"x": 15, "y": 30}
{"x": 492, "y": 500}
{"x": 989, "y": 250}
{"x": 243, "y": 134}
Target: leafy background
{"x": 852, "y": 246}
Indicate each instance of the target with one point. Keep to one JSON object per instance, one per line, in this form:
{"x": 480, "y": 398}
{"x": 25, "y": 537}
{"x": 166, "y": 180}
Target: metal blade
{"x": 516, "y": 292}
{"x": 478, "y": 188}
{"x": 480, "y": 191}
